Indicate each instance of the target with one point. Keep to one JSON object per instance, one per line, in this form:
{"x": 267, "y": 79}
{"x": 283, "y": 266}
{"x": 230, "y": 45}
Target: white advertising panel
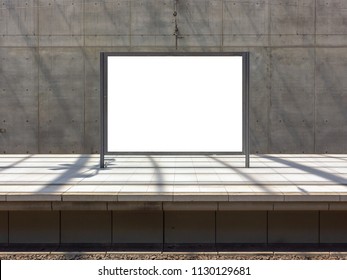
{"x": 174, "y": 104}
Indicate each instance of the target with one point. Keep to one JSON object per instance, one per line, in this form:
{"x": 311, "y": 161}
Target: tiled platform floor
{"x": 173, "y": 178}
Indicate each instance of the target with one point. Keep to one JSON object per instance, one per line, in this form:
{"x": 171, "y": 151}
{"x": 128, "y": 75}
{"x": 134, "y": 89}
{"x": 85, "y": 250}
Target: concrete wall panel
{"x": 86, "y": 227}
{"x": 63, "y": 39}
{"x": 331, "y": 100}
{"x": 92, "y": 99}
{"x": 259, "y": 99}
{"x": 18, "y": 95}
{"x": 61, "y": 100}
{"x": 292, "y": 22}
{"x": 292, "y": 101}
{"x": 245, "y": 23}
{"x": 199, "y": 23}
{"x": 91, "y": 56}
{"x": 189, "y": 227}
{"x": 34, "y": 227}
{"x": 107, "y": 23}
{"x": 331, "y": 22}
{"x": 152, "y": 23}
{"x": 61, "y": 22}
{"x": 3, "y": 227}
{"x": 138, "y": 227}
{"x": 18, "y": 23}
{"x": 293, "y": 227}
{"x": 241, "y": 227}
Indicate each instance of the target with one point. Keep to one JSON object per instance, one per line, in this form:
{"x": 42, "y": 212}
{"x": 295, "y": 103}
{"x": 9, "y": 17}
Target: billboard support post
{"x": 246, "y": 105}
{"x": 102, "y": 109}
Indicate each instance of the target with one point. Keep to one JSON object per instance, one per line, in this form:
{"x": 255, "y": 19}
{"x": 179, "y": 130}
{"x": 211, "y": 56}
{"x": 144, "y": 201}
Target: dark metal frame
{"x": 103, "y": 103}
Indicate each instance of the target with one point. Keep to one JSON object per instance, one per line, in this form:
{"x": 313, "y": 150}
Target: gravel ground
{"x": 169, "y": 256}
{"x": 175, "y": 252}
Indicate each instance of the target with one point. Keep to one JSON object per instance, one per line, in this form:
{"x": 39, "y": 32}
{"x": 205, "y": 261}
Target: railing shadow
{"x": 239, "y": 171}
{"x": 72, "y": 171}
{"x": 323, "y": 174}
{"x": 13, "y": 165}
{"x": 159, "y": 175}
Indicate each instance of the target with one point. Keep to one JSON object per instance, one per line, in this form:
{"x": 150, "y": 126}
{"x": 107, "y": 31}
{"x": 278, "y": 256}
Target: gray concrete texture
{"x": 49, "y": 70}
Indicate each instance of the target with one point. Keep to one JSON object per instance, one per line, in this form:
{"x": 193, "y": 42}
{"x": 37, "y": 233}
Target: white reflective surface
{"x": 174, "y": 104}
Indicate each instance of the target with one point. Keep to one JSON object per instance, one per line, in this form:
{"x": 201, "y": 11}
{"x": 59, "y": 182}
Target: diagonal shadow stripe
{"x": 326, "y": 175}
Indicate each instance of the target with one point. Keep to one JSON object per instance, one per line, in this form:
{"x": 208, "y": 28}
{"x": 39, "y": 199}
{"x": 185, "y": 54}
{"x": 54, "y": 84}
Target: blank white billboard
{"x": 174, "y": 104}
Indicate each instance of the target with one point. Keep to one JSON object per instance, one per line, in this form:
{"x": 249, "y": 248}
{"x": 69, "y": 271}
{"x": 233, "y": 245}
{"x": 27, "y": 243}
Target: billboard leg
{"x": 102, "y": 161}
{"x": 102, "y": 111}
{"x": 246, "y": 107}
{"x": 247, "y": 161}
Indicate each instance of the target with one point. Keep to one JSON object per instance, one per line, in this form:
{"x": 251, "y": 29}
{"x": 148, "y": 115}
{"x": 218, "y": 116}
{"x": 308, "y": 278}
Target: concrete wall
{"x": 173, "y": 227}
{"x": 49, "y": 76}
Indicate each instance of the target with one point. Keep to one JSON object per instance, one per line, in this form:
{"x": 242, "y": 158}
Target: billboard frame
{"x": 104, "y": 102}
